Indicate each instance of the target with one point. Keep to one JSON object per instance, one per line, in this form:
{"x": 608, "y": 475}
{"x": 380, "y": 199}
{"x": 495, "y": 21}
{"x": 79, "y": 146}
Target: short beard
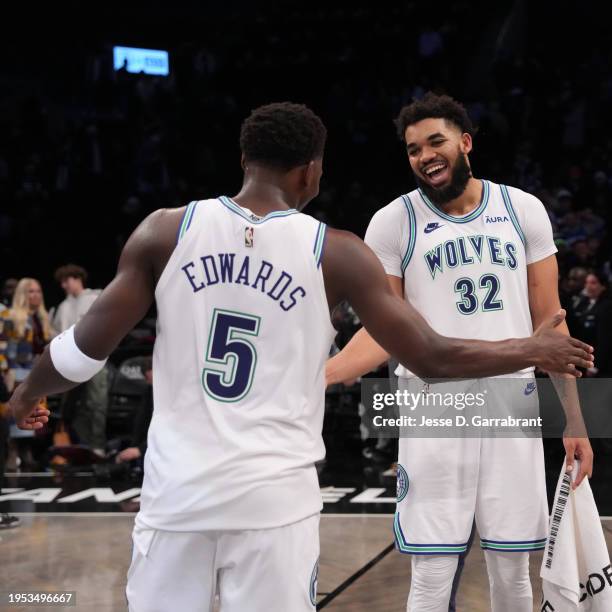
{"x": 460, "y": 175}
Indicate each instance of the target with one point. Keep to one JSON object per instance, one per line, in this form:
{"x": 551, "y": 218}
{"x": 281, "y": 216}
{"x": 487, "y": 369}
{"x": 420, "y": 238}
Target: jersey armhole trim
{"x": 319, "y": 245}
{"x": 512, "y": 213}
{"x": 187, "y": 219}
{"x": 412, "y": 228}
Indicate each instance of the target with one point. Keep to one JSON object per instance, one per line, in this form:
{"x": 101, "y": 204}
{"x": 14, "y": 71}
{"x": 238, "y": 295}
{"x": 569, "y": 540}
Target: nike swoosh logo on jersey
{"x": 530, "y": 388}
{"x": 430, "y": 227}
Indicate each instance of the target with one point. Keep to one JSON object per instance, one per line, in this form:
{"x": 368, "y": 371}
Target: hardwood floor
{"x": 90, "y": 555}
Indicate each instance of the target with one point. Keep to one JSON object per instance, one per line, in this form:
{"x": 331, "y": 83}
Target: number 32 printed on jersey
{"x": 230, "y": 356}
{"x": 466, "y": 288}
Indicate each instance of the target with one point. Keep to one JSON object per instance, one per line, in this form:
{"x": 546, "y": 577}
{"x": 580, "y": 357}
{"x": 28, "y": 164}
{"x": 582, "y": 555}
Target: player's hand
{"x": 559, "y": 353}
{"x": 128, "y": 454}
{"x": 578, "y": 448}
{"x": 328, "y": 379}
{"x": 331, "y": 376}
{"x": 28, "y": 414}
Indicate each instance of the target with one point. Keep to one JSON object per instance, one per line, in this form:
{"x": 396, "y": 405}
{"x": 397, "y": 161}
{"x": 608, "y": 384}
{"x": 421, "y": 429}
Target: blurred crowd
{"x": 86, "y": 151}
{"x": 80, "y": 431}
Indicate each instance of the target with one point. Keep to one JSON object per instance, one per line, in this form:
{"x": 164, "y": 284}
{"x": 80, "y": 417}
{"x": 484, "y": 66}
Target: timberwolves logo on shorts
{"x": 313, "y": 583}
{"x": 402, "y": 482}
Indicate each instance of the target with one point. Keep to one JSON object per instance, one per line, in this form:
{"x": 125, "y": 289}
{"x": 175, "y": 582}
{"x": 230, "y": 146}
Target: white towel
{"x": 576, "y": 571}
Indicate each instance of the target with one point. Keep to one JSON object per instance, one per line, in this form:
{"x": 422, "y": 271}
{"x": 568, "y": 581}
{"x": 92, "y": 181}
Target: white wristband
{"x": 70, "y": 361}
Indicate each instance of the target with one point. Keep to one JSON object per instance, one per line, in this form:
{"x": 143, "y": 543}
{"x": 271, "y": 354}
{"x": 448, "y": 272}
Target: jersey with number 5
{"x": 466, "y": 275}
{"x": 238, "y": 372}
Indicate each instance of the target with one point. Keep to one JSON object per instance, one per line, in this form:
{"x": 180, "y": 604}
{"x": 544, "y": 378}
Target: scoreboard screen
{"x": 149, "y": 61}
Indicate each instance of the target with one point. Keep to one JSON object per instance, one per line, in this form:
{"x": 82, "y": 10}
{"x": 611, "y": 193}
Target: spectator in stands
{"x": 8, "y": 290}
{"x": 26, "y": 330}
{"x": 596, "y": 320}
{"x": 582, "y": 255}
{"x": 84, "y": 408}
{"x": 138, "y": 443}
{"x": 570, "y": 294}
{"x": 574, "y": 283}
{"x": 594, "y": 225}
{"x": 26, "y": 327}
{"x": 570, "y": 227}
{"x": 594, "y": 314}
{"x": 72, "y": 279}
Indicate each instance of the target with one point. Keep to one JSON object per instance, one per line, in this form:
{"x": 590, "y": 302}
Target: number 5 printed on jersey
{"x": 229, "y": 348}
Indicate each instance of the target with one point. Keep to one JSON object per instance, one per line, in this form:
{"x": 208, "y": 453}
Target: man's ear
{"x": 309, "y": 173}
{"x": 242, "y": 161}
{"x": 466, "y": 143}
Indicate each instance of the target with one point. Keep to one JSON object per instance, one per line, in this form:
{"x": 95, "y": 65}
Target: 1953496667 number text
{"x": 39, "y": 598}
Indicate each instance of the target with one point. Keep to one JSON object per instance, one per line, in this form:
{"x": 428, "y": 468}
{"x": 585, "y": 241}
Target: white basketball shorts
{"x": 264, "y": 570}
{"x": 445, "y": 483}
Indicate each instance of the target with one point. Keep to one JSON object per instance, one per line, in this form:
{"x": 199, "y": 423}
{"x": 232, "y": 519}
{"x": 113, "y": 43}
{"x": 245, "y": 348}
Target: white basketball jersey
{"x": 239, "y": 373}
{"x": 467, "y": 276}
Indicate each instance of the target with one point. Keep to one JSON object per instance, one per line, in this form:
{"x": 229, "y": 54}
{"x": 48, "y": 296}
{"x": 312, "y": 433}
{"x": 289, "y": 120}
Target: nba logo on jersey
{"x": 248, "y": 236}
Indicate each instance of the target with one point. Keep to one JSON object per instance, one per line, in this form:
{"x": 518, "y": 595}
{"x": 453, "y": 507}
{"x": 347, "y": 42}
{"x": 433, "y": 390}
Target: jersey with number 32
{"x": 238, "y": 372}
{"x": 466, "y": 275}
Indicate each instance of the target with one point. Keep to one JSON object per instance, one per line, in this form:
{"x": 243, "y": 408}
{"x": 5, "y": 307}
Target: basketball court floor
{"x": 76, "y": 536}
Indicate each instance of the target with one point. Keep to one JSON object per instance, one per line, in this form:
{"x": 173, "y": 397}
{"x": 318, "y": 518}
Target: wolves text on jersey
{"x": 277, "y": 284}
{"x": 465, "y": 250}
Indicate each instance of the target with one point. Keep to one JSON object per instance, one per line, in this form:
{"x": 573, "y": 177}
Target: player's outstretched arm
{"x": 361, "y": 355}
{"x": 353, "y": 272}
{"x": 543, "y": 284}
{"x": 121, "y": 305}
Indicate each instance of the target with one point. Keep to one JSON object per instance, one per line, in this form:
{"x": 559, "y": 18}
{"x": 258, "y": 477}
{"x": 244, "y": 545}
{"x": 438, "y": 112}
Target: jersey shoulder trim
{"x": 232, "y": 206}
{"x": 187, "y": 219}
{"x": 319, "y": 244}
{"x": 412, "y": 232}
{"x": 511, "y": 212}
{"x": 484, "y": 200}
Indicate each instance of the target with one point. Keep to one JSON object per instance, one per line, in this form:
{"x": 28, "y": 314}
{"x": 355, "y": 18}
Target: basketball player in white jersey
{"x": 244, "y": 287}
{"x": 476, "y": 259}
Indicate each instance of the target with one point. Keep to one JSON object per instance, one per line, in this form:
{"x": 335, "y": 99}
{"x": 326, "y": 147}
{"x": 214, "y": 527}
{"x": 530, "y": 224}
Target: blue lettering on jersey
{"x": 450, "y": 250}
{"x": 191, "y": 278}
{"x": 494, "y": 249}
{"x": 477, "y": 244}
{"x": 433, "y": 259}
{"x": 263, "y": 275}
{"x": 226, "y": 265}
{"x": 277, "y": 291}
{"x": 456, "y": 252}
{"x": 463, "y": 256}
{"x": 511, "y": 261}
{"x": 210, "y": 269}
{"x": 219, "y": 270}
{"x": 489, "y": 219}
{"x": 298, "y": 291}
{"x": 243, "y": 275}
